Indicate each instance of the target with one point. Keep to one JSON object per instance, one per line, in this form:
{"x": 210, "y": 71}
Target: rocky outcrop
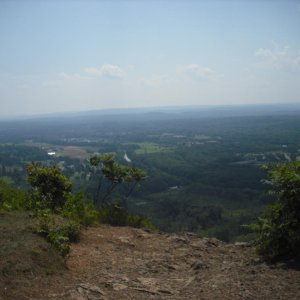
{"x": 127, "y": 263}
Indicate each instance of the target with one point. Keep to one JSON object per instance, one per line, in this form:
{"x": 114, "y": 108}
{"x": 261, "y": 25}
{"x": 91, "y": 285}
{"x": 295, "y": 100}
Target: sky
{"x": 59, "y": 56}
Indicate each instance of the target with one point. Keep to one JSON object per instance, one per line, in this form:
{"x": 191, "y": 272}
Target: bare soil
{"x": 127, "y": 263}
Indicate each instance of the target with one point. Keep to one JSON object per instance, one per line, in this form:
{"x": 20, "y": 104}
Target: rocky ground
{"x": 127, "y": 263}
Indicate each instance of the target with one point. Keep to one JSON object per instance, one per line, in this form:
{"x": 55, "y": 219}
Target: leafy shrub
{"x": 50, "y": 187}
{"x": 71, "y": 230}
{"x": 139, "y": 222}
{"x": 60, "y": 242}
{"x": 58, "y": 231}
{"x": 12, "y": 198}
{"x": 116, "y": 215}
{"x": 113, "y": 214}
{"x": 279, "y": 229}
{"x": 79, "y": 209}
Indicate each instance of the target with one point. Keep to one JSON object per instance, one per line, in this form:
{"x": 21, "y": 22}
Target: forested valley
{"x": 204, "y": 166}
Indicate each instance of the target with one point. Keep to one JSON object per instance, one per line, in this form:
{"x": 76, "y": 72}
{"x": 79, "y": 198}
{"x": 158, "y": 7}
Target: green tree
{"x": 279, "y": 229}
{"x": 114, "y": 174}
{"x": 50, "y": 187}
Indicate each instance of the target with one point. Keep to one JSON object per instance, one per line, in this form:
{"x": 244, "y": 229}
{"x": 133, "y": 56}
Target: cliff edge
{"x": 127, "y": 263}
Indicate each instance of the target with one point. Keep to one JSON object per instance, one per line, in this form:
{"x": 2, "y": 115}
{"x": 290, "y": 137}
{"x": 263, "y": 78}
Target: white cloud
{"x": 199, "y": 71}
{"x": 265, "y": 53}
{"x": 278, "y": 57}
{"x": 107, "y": 70}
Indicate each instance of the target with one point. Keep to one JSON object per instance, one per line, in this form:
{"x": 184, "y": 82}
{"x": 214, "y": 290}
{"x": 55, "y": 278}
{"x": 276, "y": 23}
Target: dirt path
{"x": 126, "y": 263}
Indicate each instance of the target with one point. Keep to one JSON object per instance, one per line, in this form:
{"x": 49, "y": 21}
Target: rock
{"x": 69, "y": 293}
{"x": 75, "y": 295}
{"x": 124, "y": 278}
{"x": 128, "y": 259}
{"x": 126, "y": 241}
{"x": 256, "y": 261}
{"x": 172, "y": 267}
{"x": 198, "y": 265}
{"x": 165, "y": 291}
{"x": 225, "y": 265}
{"x": 144, "y": 235}
{"x": 149, "y": 282}
{"x": 90, "y": 292}
{"x": 119, "y": 286}
{"x": 153, "y": 292}
{"x": 178, "y": 239}
{"x": 189, "y": 281}
{"x": 192, "y": 234}
{"x": 212, "y": 242}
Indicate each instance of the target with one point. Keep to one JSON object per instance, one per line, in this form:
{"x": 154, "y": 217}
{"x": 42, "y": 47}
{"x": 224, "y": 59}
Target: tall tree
{"x": 114, "y": 174}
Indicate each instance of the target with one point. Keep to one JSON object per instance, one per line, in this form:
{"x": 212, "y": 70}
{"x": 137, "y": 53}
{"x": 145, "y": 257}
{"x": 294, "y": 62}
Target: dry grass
{"x": 24, "y": 256}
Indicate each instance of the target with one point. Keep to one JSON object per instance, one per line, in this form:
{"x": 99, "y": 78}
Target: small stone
{"x": 125, "y": 278}
{"x": 189, "y": 281}
{"x": 76, "y": 296}
{"x": 256, "y": 261}
{"x": 147, "y": 281}
{"x": 198, "y": 265}
{"x": 89, "y": 288}
{"x": 126, "y": 241}
{"x": 165, "y": 291}
{"x": 119, "y": 286}
{"x": 178, "y": 239}
{"x": 172, "y": 267}
{"x": 191, "y": 234}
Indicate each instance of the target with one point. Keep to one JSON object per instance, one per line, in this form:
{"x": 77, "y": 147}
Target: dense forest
{"x": 204, "y": 167}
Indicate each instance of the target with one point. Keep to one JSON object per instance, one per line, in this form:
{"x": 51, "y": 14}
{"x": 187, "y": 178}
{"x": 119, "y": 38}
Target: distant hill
{"x": 169, "y": 112}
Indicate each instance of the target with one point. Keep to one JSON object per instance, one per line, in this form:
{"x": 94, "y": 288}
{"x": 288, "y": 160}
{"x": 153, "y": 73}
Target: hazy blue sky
{"x": 83, "y": 55}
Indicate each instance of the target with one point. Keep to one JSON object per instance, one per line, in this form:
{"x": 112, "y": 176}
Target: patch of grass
{"x": 73, "y": 152}
{"x": 202, "y": 137}
{"x": 24, "y": 255}
{"x": 148, "y": 148}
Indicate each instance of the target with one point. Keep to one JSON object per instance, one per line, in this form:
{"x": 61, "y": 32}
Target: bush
{"x": 139, "y": 222}
{"x": 116, "y": 215}
{"x": 279, "y": 229}
{"x": 58, "y": 231}
{"x": 113, "y": 214}
{"x": 80, "y": 209}
{"x": 50, "y": 187}
{"x": 12, "y": 198}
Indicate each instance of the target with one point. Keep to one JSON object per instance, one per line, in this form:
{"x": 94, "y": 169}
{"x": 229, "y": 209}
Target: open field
{"x": 149, "y": 148}
{"x": 74, "y": 152}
